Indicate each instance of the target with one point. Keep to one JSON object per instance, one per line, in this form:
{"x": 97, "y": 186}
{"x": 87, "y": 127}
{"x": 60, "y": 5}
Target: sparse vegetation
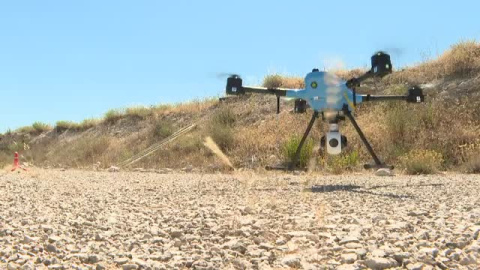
{"x": 62, "y": 126}
{"x": 472, "y": 165}
{"x": 220, "y": 128}
{"x": 347, "y": 161}
{"x": 139, "y": 112}
{"x": 290, "y": 147}
{"x": 422, "y": 162}
{"x": 161, "y": 129}
{"x": 277, "y": 80}
{"x": 113, "y": 115}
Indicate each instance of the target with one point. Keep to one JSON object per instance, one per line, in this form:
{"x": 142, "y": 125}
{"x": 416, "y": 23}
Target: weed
{"x": 113, "y": 115}
{"x": 290, "y": 147}
{"x": 422, "y": 161}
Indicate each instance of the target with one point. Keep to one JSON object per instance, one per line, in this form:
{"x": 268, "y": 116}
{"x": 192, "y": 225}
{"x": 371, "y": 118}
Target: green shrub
{"x": 41, "y": 127}
{"x": 220, "y": 128}
{"x": 62, "y": 126}
{"x": 25, "y": 129}
{"x": 289, "y": 149}
{"x": 422, "y": 161}
{"x": 162, "y": 129}
{"x": 113, "y": 116}
{"x": 88, "y": 123}
{"x": 344, "y": 162}
{"x": 224, "y": 117}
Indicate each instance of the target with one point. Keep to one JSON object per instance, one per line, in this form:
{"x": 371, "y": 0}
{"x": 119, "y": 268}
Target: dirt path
{"x": 98, "y": 220}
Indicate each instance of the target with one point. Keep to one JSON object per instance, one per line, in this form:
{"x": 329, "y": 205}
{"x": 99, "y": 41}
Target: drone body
{"x": 328, "y": 95}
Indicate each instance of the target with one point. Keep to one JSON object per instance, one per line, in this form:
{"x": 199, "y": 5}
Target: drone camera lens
{"x": 333, "y": 143}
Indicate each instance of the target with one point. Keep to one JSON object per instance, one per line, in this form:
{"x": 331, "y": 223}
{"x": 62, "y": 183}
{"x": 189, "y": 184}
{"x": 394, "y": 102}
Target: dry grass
{"x": 462, "y": 60}
{"x": 422, "y": 162}
{"x": 279, "y": 81}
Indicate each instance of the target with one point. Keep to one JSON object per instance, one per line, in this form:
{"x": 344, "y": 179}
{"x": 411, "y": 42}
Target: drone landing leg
{"x": 305, "y": 135}
{"x": 378, "y": 163}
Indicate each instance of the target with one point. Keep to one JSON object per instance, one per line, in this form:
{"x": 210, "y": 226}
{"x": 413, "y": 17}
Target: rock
{"x": 349, "y": 239}
{"x": 121, "y": 261}
{"x": 416, "y": 266}
{"x": 384, "y": 172}
{"x": 113, "y": 169}
{"x": 348, "y": 258}
{"x": 292, "y": 261}
{"x": 51, "y": 248}
{"x": 188, "y": 168}
{"x": 241, "y": 264}
{"x": 56, "y": 267}
{"x": 429, "y": 251}
{"x": 129, "y": 266}
{"x": 27, "y": 239}
{"x": 176, "y": 233}
{"x": 380, "y": 263}
{"x": 100, "y": 267}
{"x": 401, "y": 256}
{"x": 347, "y": 267}
{"x": 53, "y": 239}
{"x": 92, "y": 259}
{"x": 379, "y": 253}
{"x": 266, "y": 246}
{"x": 12, "y": 266}
{"x": 468, "y": 260}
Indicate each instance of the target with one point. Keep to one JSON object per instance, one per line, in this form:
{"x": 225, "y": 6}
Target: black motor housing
{"x": 381, "y": 64}
{"x": 300, "y": 106}
{"x": 234, "y": 85}
{"x": 415, "y": 95}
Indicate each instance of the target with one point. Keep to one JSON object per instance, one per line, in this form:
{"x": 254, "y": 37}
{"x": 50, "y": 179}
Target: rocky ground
{"x": 53, "y": 219}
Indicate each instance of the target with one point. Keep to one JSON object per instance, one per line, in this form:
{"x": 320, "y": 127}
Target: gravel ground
{"x": 52, "y": 219}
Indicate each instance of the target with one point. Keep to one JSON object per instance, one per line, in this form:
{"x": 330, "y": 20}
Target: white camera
{"x": 334, "y": 140}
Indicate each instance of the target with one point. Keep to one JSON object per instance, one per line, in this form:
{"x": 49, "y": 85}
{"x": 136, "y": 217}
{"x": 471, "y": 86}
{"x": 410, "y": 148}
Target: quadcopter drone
{"x": 333, "y": 99}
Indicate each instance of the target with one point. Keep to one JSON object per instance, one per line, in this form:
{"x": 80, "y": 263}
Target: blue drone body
{"x": 326, "y": 93}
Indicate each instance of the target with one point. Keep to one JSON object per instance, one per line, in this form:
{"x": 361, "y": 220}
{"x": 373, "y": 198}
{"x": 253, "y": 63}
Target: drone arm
{"x": 414, "y": 95}
{"x": 262, "y": 90}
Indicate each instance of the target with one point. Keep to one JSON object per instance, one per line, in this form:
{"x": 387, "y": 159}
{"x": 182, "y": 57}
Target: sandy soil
{"x": 52, "y": 219}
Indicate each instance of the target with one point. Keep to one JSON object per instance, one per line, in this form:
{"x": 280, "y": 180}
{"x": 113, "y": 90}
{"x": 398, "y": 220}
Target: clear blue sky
{"x": 70, "y": 60}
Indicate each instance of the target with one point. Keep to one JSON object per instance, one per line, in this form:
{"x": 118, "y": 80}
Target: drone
{"x": 334, "y": 100}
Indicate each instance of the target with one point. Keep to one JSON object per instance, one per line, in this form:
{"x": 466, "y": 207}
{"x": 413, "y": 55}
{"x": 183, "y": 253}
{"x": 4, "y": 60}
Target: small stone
{"x": 416, "y": 266}
{"x": 429, "y": 251}
{"x": 93, "y": 259}
{"x": 241, "y": 264}
{"x": 12, "y": 266}
{"x": 379, "y": 253}
{"x": 348, "y": 258}
{"x": 400, "y": 257}
{"x": 121, "y": 260}
{"x": 53, "y": 239}
{"x": 113, "y": 169}
{"x": 176, "y": 233}
{"x": 384, "y": 172}
{"x": 266, "y": 246}
{"x": 100, "y": 267}
{"x": 129, "y": 266}
{"x": 27, "y": 239}
{"x": 51, "y": 248}
{"x": 292, "y": 261}
{"x": 380, "y": 263}
{"x": 56, "y": 267}
{"x": 349, "y": 239}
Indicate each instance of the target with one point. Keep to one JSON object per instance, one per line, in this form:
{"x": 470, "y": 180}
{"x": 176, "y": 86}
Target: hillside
{"x": 442, "y": 134}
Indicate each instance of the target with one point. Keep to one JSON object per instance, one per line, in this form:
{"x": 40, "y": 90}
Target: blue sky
{"x": 71, "y": 60}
